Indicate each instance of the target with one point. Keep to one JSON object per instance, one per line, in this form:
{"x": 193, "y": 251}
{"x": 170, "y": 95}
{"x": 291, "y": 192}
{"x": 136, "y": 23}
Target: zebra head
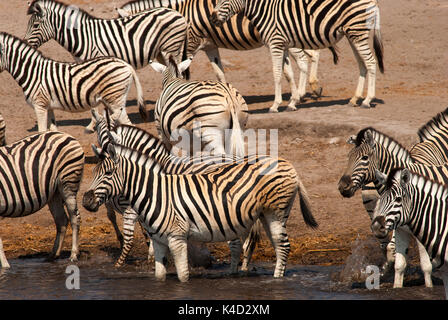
{"x": 362, "y": 162}
{"x": 107, "y": 179}
{"x": 394, "y": 204}
{"x": 226, "y": 9}
{"x": 39, "y": 29}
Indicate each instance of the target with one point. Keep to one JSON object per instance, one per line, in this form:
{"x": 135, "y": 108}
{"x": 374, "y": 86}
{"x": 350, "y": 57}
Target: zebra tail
{"x": 252, "y": 239}
{"x": 334, "y": 51}
{"x": 140, "y": 100}
{"x": 184, "y": 54}
{"x": 236, "y": 135}
{"x": 305, "y": 206}
{"x": 378, "y": 47}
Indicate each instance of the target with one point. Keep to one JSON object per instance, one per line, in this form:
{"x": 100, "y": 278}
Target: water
{"x": 35, "y": 278}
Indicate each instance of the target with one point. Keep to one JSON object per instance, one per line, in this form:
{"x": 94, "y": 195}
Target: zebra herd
{"x": 219, "y": 194}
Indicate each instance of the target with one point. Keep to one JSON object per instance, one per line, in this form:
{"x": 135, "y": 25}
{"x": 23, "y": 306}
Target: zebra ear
{"x": 368, "y": 137}
{"x": 405, "y": 177}
{"x": 158, "y": 67}
{"x": 184, "y": 65}
{"x": 96, "y": 114}
{"x": 112, "y": 152}
{"x": 98, "y": 152}
{"x": 352, "y": 140}
{"x": 381, "y": 177}
{"x": 35, "y": 9}
{"x": 122, "y": 13}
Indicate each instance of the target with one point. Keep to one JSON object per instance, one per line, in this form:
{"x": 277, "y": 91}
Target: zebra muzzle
{"x": 215, "y": 19}
{"x": 90, "y": 202}
{"x": 378, "y": 227}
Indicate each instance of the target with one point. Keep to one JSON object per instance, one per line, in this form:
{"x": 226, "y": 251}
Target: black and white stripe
{"x": 2, "y": 131}
{"x": 72, "y": 87}
{"x": 218, "y": 205}
{"x": 38, "y": 170}
{"x": 314, "y": 24}
{"x": 417, "y": 202}
{"x": 213, "y": 113}
{"x": 236, "y": 34}
{"x": 144, "y": 142}
{"x": 154, "y": 34}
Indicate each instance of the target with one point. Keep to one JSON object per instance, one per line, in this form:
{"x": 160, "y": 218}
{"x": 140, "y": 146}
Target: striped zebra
{"x": 219, "y": 205}
{"x": 2, "y": 131}
{"x": 236, "y": 34}
{"x": 42, "y": 169}
{"x": 154, "y": 34}
{"x": 72, "y": 87}
{"x": 433, "y": 137}
{"x": 314, "y": 24}
{"x": 374, "y": 150}
{"x": 144, "y": 142}
{"x": 417, "y": 202}
{"x": 205, "y": 110}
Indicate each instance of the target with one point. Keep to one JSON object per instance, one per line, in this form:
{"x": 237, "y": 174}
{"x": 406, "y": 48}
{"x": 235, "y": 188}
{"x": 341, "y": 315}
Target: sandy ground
{"x": 412, "y": 90}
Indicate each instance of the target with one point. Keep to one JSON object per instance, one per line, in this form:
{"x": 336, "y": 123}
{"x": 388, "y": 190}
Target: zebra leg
{"x": 3, "y": 261}
{"x": 250, "y": 243}
{"x": 276, "y": 232}
{"x": 113, "y": 219}
{"x": 367, "y": 65}
{"x": 91, "y": 126}
{"x": 42, "y": 118}
{"x": 56, "y": 207}
{"x": 129, "y": 218}
{"x": 362, "y": 75}
{"x": 215, "y": 60}
{"x": 289, "y": 74}
{"x": 75, "y": 221}
{"x": 160, "y": 253}
{"x": 313, "y": 80}
{"x": 235, "y": 254}
{"x": 52, "y": 120}
{"x": 402, "y": 238}
{"x": 277, "y": 55}
{"x": 425, "y": 263}
{"x": 302, "y": 62}
{"x": 179, "y": 251}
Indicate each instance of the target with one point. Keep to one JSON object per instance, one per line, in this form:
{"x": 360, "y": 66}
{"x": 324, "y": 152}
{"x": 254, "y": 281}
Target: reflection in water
{"x": 37, "y": 279}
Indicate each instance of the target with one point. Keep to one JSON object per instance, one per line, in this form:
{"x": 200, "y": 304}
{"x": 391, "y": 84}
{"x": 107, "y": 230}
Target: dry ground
{"x": 411, "y": 91}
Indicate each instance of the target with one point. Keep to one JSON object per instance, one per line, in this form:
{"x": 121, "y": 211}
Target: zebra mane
{"x": 136, "y": 156}
{"x": 434, "y": 126}
{"x": 386, "y": 141}
{"x": 31, "y": 9}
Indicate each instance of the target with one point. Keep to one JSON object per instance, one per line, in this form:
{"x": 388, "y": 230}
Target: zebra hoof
{"x": 318, "y": 92}
{"x": 118, "y": 264}
{"x": 365, "y": 106}
{"x": 291, "y": 108}
{"x": 89, "y": 130}
{"x": 272, "y": 110}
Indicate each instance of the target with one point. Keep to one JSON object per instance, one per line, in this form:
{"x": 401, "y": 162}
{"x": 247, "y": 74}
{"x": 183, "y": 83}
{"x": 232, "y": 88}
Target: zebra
{"x": 219, "y": 205}
{"x": 372, "y": 151}
{"x": 72, "y": 87}
{"x": 2, "y": 131}
{"x": 44, "y": 168}
{"x": 157, "y": 33}
{"x": 144, "y": 142}
{"x": 433, "y": 140}
{"x": 236, "y": 34}
{"x": 206, "y": 110}
{"x": 313, "y": 25}
{"x": 419, "y": 203}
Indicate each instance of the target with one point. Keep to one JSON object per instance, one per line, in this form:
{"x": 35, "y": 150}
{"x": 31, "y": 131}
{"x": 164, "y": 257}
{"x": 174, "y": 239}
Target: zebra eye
{"x": 398, "y": 199}
{"x": 365, "y": 158}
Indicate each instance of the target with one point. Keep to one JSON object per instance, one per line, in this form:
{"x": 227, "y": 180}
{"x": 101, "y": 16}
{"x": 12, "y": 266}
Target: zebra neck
{"x": 427, "y": 217}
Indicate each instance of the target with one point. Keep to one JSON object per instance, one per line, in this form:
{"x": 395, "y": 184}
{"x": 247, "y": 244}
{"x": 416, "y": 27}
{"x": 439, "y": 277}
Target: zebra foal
{"x": 155, "y": 34}
{"x": 419, "y": 203}
{"x": 72, "y": 87}
{"x": 218, "y": 205}
{"x": 38, "y": 170}
{"x": 314, "y": 24}
{"x": 216, "y": 107}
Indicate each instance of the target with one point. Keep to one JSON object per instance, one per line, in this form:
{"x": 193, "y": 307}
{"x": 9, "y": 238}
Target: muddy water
{"x": 34, "y": 278}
